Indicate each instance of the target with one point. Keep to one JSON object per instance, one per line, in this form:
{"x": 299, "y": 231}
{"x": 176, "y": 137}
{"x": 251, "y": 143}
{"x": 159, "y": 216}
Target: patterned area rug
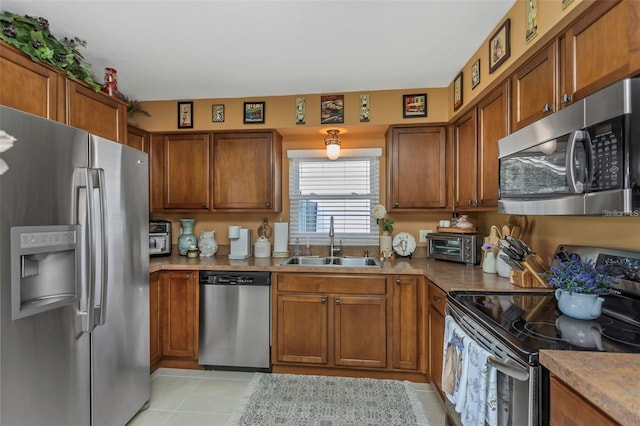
{"x": 295, "y": 400}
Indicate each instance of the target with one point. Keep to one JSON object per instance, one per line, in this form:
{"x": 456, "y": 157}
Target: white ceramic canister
{"x": 262, "y": 247}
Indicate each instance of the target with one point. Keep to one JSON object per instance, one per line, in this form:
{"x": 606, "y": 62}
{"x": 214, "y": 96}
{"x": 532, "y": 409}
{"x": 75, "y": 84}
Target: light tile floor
{"x": 195, "y": 397}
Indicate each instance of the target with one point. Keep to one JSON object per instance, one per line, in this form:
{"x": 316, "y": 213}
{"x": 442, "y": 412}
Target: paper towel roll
{"x": 281, "y": 239}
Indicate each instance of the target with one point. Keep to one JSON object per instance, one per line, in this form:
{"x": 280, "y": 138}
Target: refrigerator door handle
{"x": 82, "y": 206}
{"x": 100, "y": 306}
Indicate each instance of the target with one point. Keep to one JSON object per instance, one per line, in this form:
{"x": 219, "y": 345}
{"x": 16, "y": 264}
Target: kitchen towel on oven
{"x": 455, "y": 363}
{"x": 480, "y": 401}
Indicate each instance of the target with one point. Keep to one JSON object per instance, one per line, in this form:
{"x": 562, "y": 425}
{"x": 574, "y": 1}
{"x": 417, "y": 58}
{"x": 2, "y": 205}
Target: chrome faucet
{"x": 332, "y": 248}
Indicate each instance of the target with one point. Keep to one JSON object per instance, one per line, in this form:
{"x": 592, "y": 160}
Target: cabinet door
{"x": 597, "y": 49}
{"x": 138, "y": 139}
{"x": 96, "y": 112}
{"x": 28, "y": 86}
{"x": 247, "y": 171}
{"x": 437, "y": 301}
{"x": 360, "y": 331}
{"x": 302, "y": 328}
{"x": 570, "y": 409}
{"x": 466, "y": 160}
{"x": 155, "y": 329}
{"x": 179, "y": 314}
{"x": 493, "y": 124}
{"x": 534, "y": 88}
{"x": 186, "y": 171}
{"x": 417, "y": 168}
{"x": 156, "y": 172}
{"x": 406, "y": 320}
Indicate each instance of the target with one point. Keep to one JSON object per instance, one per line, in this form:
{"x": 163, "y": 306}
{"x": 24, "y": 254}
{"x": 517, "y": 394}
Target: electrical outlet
{"x": 423, "y": 235}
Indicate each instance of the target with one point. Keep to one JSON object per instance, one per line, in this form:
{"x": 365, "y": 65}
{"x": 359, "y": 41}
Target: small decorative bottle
{"x": 186, "y": 238}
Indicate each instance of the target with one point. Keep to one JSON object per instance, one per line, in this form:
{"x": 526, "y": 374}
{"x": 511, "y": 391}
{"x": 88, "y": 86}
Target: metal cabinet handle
{"x": 188, "y": 276}
{"x": 566, "y": 99}
{"x": 437, "y": 299}
{"x": 547, "y": 108}
{"x": 268, "y": 204}
{"x": 323, "y": 299}
{"x": 396, "y": 204}
{"x": 398, "y": 281}
{"x": 337, "y": 300}
{"x": 470, "y": 202}
{"x": 204, "y": 205}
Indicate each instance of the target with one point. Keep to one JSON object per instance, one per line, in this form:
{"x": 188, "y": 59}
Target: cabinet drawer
{"x": 437, "y": 298}
{"x": 323, "y": 283}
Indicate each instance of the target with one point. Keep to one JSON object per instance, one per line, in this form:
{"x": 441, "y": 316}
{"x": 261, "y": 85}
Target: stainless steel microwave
{"x": 461, "y": 248}
{"x": 581, "y": 160}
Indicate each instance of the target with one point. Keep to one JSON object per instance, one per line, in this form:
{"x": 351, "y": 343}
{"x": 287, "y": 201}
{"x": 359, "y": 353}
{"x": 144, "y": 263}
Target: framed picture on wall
{"x": 185, "y": 115}
{"x": 253, "y": 113}
{"x": 217, "y": 113}
{"x": 457, "y": 92}
{"x": 414, "y": 105}
{"x": 331, "y": 109}
{"x": 301, "y": 110}
{"x": 499, "y": 46}
{"x": 475, "y": 74}
{"x": 364, "y": 108}
{"x": 532, "y": 18}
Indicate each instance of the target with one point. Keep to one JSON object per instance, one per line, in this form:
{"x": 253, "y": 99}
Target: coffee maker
{"x": 240, "y": 239}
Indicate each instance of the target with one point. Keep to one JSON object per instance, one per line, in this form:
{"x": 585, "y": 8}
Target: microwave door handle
{"x": 570, "y": 163}
{"x": 512, "y": 371}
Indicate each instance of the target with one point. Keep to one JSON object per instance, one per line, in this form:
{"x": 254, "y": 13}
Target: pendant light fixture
{"x": 332, "y": 143}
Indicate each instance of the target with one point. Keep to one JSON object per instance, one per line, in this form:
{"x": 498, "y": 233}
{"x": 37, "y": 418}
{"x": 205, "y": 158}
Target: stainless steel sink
{"x": 354, "y": 262}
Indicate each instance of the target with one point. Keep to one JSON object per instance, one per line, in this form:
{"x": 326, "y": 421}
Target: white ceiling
{"x": 182, "y": 49}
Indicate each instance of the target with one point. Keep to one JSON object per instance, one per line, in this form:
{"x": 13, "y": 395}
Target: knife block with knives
{"x": 529, "y": 267}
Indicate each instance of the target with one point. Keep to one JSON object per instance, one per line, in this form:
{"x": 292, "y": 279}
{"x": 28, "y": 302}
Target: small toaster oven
{"x": 159, "y": 238}
{"x": 461, "y": 248}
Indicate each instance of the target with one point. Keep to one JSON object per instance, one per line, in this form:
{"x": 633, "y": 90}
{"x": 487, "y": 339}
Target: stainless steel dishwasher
{"x": 235, "y": 320}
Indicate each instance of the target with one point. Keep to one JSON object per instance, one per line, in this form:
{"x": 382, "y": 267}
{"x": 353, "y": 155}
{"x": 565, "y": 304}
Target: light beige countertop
{"x": 610, "y": 381}
{"x": 446, "y": 275}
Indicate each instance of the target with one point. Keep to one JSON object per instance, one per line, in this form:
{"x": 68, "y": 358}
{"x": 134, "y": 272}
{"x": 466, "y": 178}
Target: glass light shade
{"x": 332, "y": 143}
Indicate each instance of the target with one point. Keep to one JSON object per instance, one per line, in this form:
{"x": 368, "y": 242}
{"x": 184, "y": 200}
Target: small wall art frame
{"x": 217, "y": 113}
{"x": 301, "y": 110}
{"x": 531, "y": 8}
{"x": 499, "y": 46}
{"x": 475, "y": 74}
{"x": 254, "y": 113}
{"x": 457, "y": 92}
{"x": 414, "y": 105}
{"x": 331, "y": 109}
{"x": 364, "y": 108}
{"x": 185, "y": 115}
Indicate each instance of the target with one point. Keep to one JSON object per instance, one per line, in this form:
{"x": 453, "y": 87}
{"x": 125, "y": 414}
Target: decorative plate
{"x": 404, "y": 244}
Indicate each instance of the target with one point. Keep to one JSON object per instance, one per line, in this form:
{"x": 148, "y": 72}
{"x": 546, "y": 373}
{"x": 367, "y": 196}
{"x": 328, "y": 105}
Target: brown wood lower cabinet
{"x": 437, "y": 300}
{"x": 346, "y": 325}
{"x": 568, "y": 408}
{"x": 174, "y": 319}
{"x": 155, "y": 329}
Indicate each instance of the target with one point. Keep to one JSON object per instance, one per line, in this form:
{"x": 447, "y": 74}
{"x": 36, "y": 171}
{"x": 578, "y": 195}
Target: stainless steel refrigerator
{"x": 74, "y": 295}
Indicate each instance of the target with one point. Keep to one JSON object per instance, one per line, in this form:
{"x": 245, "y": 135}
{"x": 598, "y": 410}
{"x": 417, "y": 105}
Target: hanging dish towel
{"x": 474, "y": 411}
{"x": 455, "y": 363}
{"x": 492, "y": 397}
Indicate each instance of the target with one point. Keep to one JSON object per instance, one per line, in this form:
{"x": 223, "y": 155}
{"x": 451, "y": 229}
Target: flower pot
{"x": 385, "y": 244}
{"x": 579, "y": 305}
{"x": 489, "y": 264}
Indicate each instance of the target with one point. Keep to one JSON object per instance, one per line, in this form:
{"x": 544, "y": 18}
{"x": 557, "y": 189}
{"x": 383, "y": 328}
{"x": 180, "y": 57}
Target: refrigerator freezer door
{"x": 120, "y": 337}
{"x": 44, "y": 357}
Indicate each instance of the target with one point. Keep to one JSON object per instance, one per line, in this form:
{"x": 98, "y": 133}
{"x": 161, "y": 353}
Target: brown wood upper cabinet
{"x": 476, "y": 146}
{"x": 416, "y": 175}
{"x": 138, "y": 139}
{"x": 186, "y": 171}
{"x": 247, "y": 171}
{"x": 29, "y": 86}
{"x": 95, "y": 112}
{"x": 593, "y": 52}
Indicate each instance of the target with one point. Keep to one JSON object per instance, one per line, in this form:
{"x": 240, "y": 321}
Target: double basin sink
{"x": 352, "y": 261}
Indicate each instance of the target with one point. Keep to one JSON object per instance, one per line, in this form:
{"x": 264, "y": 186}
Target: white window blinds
{"x": 346, "y": 188}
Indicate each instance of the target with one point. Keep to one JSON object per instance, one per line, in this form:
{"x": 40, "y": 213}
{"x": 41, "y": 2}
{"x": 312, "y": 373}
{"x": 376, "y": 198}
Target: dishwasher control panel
{"x": 235, "y": 278}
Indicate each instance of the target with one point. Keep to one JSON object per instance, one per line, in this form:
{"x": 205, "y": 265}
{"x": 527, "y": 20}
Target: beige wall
{"x": 386, "y": 109}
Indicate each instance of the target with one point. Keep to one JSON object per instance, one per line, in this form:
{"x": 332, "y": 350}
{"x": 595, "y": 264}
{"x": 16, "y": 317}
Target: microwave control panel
{"x": 606, "y": 140}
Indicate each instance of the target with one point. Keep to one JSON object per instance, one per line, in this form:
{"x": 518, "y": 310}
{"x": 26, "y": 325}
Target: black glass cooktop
{"x": 532, "y": 321}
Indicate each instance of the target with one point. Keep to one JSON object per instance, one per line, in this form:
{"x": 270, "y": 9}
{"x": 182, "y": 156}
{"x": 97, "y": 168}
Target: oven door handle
{"x": 509, "y": 370}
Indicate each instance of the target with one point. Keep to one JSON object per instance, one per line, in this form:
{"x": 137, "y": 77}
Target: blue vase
{"x": 187, "y": 238}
